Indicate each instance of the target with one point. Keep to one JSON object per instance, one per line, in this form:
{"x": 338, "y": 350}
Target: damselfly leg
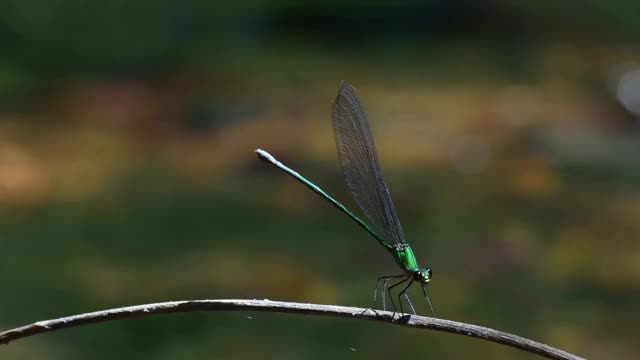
{"x": 404, "y": 292}
{"x": 399, "y": 296}
{"x": 424, "y": 291}
{"x": 384, "y": 280}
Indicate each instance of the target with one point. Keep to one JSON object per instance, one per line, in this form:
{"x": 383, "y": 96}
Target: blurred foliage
{"x": 127, "y": 172}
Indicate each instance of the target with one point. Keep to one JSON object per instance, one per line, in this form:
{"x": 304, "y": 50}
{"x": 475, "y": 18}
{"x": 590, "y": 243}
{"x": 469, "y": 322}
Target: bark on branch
{"x": 287, "y": 307}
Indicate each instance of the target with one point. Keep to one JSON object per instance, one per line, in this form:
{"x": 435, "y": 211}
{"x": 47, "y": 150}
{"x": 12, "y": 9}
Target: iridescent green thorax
{"x": 405, "y": 258}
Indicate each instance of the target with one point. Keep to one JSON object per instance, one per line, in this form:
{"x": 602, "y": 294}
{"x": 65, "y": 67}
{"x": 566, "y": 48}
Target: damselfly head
{"x": 423, "y": 276}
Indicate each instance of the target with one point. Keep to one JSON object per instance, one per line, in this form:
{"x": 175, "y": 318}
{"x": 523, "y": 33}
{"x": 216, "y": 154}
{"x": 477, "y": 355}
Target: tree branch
{"x": 287, "y": 307}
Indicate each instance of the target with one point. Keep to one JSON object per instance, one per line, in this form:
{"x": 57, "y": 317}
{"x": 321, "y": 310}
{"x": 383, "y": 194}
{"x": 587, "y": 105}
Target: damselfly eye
{"x": 426, "y": 275}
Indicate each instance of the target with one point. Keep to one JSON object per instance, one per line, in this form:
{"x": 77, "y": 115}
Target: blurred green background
{"x": 508, "y": 132}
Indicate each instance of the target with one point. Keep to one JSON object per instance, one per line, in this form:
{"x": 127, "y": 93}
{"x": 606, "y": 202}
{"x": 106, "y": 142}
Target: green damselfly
{"x": 365, "y": 181}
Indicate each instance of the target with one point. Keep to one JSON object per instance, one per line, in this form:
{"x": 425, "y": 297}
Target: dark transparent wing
{"x": 361, "y": 167}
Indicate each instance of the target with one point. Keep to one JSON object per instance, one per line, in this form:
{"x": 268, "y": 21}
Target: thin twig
{"x": 286, "y": 307}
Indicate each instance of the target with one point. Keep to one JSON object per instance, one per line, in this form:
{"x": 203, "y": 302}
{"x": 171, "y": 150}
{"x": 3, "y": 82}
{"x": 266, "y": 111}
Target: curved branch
{"x": 286, "y": 307}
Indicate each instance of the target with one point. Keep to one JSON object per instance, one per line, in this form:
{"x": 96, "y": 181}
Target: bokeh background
{"x": 508, "y": 132}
